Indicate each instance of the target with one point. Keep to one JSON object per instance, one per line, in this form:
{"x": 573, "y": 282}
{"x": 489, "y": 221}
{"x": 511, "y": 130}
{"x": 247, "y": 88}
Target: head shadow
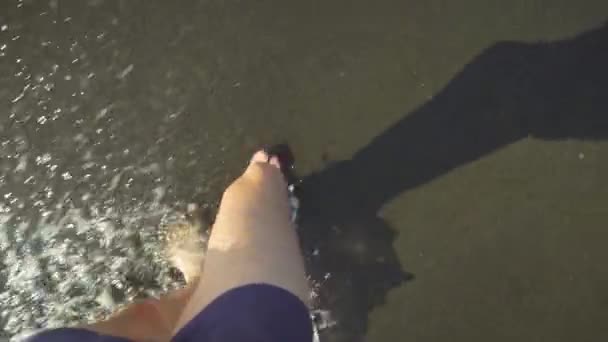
{"x": 547, "y": 90}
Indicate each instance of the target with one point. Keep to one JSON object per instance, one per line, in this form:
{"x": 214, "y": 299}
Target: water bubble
{"x": 114, "y": 182}
{"x": 43, "y": 159}
{"x": 88, "y": 165}
{"x": 126, "y": 71}
{"x": 102, "y": 113}
{"x": 19, "y": 97}
{"x": 22, "y": 164}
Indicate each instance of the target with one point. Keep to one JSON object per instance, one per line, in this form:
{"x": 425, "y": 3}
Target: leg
{"x": 147, "y": 320}
{"x": 252, "y": 241}
{"x": 155, "y": 319}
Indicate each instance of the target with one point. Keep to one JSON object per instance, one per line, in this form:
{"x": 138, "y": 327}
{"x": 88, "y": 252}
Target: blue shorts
{"x": 251, "y": 313}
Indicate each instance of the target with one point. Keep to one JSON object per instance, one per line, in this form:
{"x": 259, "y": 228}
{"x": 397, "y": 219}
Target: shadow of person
{"x": 547, "y": 90}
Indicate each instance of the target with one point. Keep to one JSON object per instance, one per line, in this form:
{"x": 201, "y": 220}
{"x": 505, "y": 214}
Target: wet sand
{"x": 452, "y": 155}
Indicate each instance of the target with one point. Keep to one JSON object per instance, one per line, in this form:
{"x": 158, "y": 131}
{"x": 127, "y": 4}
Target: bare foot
{"x": 263, "y": 157}
{"x": 185, "y": 245}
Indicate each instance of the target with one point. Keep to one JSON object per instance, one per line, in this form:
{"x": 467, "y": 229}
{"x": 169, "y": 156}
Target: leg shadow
{"x": 511, "y": 91}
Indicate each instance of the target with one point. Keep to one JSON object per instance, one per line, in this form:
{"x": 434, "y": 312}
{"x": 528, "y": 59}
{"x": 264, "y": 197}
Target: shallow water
{"x": 469, "y": 203}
